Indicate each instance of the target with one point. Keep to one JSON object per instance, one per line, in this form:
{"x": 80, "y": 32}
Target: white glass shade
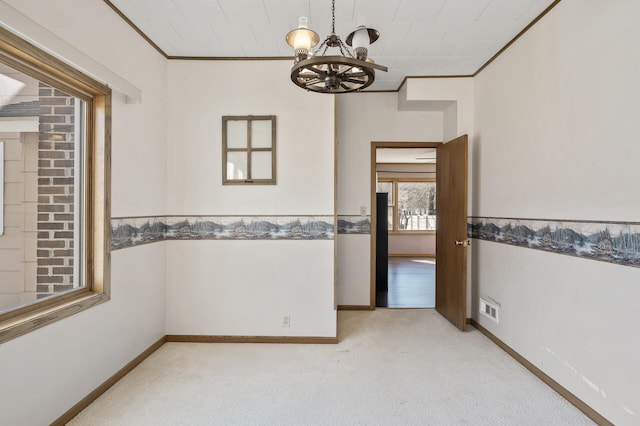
{"x": 361, "y": 37}
{"x": 302, "y": 38}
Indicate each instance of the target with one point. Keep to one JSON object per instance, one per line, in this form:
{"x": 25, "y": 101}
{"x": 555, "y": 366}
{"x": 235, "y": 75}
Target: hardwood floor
{"x": 411, "y": 283}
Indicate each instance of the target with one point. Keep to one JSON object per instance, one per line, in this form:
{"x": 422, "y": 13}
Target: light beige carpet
{"x": 391, "y": 367}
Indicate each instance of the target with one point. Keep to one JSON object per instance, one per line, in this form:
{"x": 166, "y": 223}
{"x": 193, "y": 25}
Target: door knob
{"x": 465, "y": 243}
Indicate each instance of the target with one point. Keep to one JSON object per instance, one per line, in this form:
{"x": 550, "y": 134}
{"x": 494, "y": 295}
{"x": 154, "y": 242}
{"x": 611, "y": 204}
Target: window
{"x": 54, "y": 123}
{"x": 387, "y": 186}
{"x": 413, "y": 208}
{"x": 249, "y": 150}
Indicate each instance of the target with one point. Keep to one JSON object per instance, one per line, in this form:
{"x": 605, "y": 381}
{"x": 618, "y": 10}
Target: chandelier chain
{"x": 333, "y": 16}
{"x": 340, "y": 45}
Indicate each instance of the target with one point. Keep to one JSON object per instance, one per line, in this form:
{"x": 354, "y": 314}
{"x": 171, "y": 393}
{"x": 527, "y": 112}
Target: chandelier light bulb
{"x": 302, "y": 39}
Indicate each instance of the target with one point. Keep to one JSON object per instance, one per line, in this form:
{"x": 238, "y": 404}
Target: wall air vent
{"x": 490, "y": 309}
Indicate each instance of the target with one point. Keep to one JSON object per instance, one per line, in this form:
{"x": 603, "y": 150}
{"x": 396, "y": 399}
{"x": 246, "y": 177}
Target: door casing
{"x": 460, "y": 301}
{"x": 374, "y": 146}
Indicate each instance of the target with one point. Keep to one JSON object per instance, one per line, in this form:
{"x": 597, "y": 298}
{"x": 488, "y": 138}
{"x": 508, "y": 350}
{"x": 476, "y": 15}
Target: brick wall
{"x": 55, "y": 221}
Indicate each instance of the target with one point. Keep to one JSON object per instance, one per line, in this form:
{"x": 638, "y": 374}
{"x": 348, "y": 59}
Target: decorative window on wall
{"x": 249, "y": 150}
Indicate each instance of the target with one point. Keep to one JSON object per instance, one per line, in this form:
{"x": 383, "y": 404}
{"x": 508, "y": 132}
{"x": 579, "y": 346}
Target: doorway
{"x": 403, "y": 241}
{"x": 451, "y": 237}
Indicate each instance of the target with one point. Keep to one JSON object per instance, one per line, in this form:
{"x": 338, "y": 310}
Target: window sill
{"x": 412, "y": 232}
{"x": 15, "y": 327}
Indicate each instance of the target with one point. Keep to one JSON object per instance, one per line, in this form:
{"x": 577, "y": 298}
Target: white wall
{"x": 354, "y": 270}
{"x": 412, "y": 244}
{"x": 56, "y": 366}
{"x": 246, "y": 287}
{"x": 453, "y": 96}
{"x": 556, "y": 109}
{"x": 456, "y": 98}
{"x": 364, "y": 118}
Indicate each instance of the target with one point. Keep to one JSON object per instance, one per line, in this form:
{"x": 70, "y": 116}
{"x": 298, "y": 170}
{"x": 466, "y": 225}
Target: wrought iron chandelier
{"x": 347, "y": 72}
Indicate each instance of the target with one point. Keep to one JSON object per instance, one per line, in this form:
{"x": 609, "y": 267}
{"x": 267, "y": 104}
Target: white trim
{"x": 31, "y": 31}
{"x": 79, "y": 137}
{"x": 19, "y": 124}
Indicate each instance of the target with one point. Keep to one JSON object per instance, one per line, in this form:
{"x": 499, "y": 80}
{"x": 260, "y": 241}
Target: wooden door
{"x": 451, "y": 231}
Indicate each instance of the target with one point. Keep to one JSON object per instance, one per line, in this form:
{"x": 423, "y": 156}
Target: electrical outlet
{"x": 286, "y": 320}
{"x": 363, "y": 210}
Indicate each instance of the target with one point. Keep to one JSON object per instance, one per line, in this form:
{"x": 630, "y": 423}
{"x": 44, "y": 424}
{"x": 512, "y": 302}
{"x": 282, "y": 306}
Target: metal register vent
{"x": 489, "y": 309}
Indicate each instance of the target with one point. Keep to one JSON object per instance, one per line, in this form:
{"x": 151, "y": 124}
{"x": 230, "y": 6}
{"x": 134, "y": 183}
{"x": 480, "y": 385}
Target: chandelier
{"x": 348, "y": 72}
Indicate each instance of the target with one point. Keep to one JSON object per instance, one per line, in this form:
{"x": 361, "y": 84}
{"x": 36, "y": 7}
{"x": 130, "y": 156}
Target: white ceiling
{"x": 417, "y": 37}
{"x": 405, "y": 155}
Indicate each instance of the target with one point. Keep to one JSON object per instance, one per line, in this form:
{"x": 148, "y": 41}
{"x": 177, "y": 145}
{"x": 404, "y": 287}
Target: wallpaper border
{"x": 354, "y": 224}
{"x": 606, "y": 241}
{"x": 612, "y": 242}
{"x": 138, "y": 230}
